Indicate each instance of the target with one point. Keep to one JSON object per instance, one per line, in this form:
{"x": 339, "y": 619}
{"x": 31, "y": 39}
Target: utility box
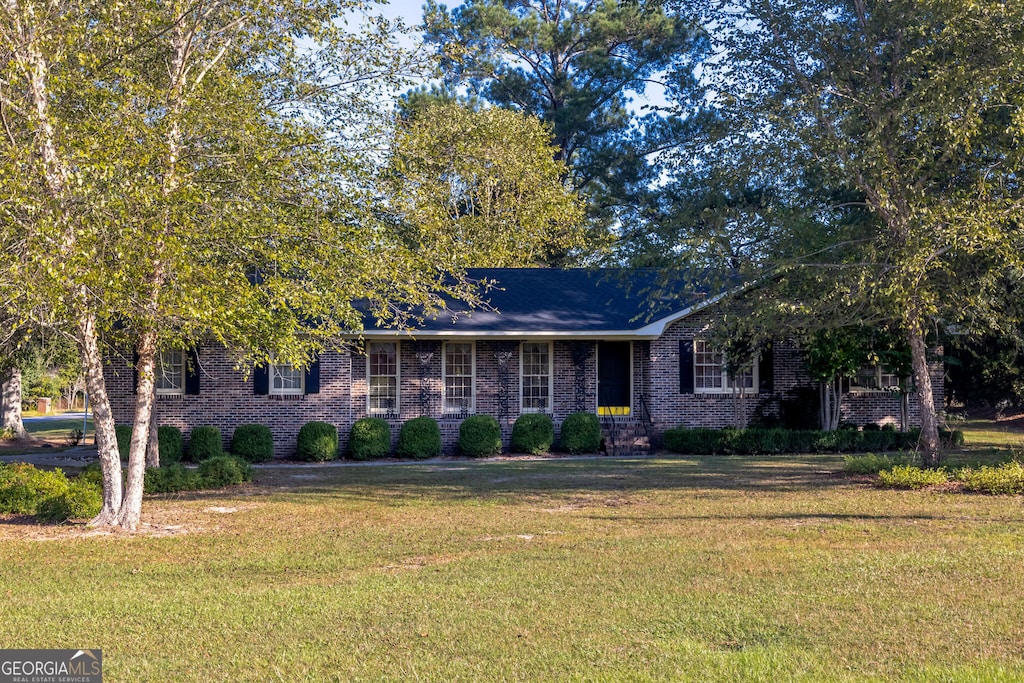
{"x": 43, "y": 405}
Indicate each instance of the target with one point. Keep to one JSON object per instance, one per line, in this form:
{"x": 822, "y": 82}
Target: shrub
{"x": 23, "y": 487}
{"x": 872, "y": 427}
{"x": 317, "y": 442}
{"x": 419, "y": 438}
{"x": 170, "y": 442}
{"x": 697, "y": 441}
{"x": 532, "y": 433}
{"x": 92, "y": 474}
{"x": 170, "y": 479}
{"x": 869, "y": 463}
{"x": 369, "y": 438}
{"x": 123, "y": 433}
{"x": 224, "y": 470}
{"x": 205, "y": 442}
{"x": 81, "y": 500}
{"x": 581, "y": 433}
{"x": 1007, "y": 478}
{"x": 910, "y": 477}
{"x": 951, "y": 438}
{"x": 7, "y": 434}
{"x": 479, "y": 436}
{"x": 253, "y": 443}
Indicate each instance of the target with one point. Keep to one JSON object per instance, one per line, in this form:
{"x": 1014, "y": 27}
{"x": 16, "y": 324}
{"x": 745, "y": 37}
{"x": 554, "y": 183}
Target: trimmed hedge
{"x": 205, "y": 442}
{"x": 317, "y": 442}
{"x": 369, "y": 438}
{"x": 1006, "y": 479}
{"x": 170, "y": 442}
{"x": 419, "y": 438}
{"x": 224, "y": 470}
{"x": 702, "y": 441}
{"x": 910, "y": 477}
{"x": 581, "y": 433}
{"x": 253, "y": 443}
{"x": 479, "y": 436}
{"x": 532, "y": 433}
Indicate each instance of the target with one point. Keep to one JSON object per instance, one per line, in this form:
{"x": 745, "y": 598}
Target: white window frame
{"x": 727, "y": 384}
{"x": 457, "y": 410}
{"x": 551, "y": 378}
{"x": 377, "y": 412}
{"x": 180, "y": 389}
{"x": 275, "y": 369}
{"x": 879, "y": 371}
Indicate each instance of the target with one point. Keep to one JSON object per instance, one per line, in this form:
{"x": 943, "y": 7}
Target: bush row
{"x": 1004, "y": 479}
{"x": 370, "y": 438}
{"x": 212, "y": 473}
{"x": 49, "y": 495}
{"x": 772, "y": 441}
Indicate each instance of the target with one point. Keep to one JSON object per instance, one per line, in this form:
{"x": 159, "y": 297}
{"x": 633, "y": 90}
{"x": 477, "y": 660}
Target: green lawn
{"x": 697, "y": 569}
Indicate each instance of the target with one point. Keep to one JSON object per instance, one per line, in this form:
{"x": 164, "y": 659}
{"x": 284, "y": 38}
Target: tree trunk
{"x": 131, "y": 506}
{"x": 930, "y": 452}
{"x": 153, "y": 447}
{"x": 10, "y": 400}
{"x": 103, "y": 421}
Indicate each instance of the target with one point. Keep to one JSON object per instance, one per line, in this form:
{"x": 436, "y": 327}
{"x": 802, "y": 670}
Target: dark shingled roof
{"x": 572, "y": 302}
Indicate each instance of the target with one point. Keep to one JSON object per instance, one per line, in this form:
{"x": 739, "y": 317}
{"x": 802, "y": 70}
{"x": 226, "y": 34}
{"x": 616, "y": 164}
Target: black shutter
{"x": 313, "y": 377}
{"x": 685, "y": 366}
{"x": 766, "y": 370}
{"x": 192, "y": 373}
{"x": 261, "y": 380}
{"x": 135, "y": 372}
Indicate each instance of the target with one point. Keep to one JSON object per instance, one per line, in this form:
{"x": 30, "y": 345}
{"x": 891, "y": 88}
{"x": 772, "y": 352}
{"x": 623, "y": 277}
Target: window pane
{"x": 536, "y": 377}
{"x": 707, "y": 366}
{"x": 285, "y": 379}
{"x": 458, "y": 378}
{"x": 170, "y": 372}
{"x": 383, "y": 377}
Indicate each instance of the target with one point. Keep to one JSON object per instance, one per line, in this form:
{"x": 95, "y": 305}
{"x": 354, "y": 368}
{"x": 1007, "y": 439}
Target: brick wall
{"x": 226, "y": 397}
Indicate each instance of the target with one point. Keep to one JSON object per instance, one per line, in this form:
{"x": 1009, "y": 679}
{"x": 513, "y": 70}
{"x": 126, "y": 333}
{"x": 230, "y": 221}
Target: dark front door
{"x": 613, "y": 377}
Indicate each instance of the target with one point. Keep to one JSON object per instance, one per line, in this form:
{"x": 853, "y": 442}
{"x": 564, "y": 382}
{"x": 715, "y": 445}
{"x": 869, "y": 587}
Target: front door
{"x": 614, "y": 371}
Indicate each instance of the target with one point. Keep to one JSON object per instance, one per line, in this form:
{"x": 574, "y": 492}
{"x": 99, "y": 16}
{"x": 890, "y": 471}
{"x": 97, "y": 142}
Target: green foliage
{"x": 951, "y": 438}
{"x": 92, "y": 474}
{"x": 911, "y": 477}
{"x": 869, "y": 463}
{"x": 224, "y": 470}
{"x": 581, "y": 433}
{"x": 170, "y": 441}
{"x": 123, "y": 433}
{"x": 317, "y": 442}
{"x": 479, "y": 436}
{"x": 7, "y": 434}
{"x": 204, "y": 442}
{"x": 253, "y": 443}
{"x": 369, "y": 438}
{"x": 81, "y": 500}
{"x": 532, "y": 433}
{"x": 702, "y": 441}
{"x": 171, "y": 478}
{"x": 487, "y": 182}
{"x": 1007, "y": 478}
{"x": 419, "y": 438}
{"x": 575, "y": 65}
{"x": 23, "y": 487}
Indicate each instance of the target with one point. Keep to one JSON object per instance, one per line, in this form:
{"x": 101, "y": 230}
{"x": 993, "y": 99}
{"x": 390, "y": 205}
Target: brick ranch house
{"x": 557, "y": 342}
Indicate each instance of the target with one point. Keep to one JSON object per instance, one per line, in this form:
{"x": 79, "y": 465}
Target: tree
{"x": 913, "y": 111}
{"x": 483, "y": 183}
{"x": 204, "y": 171}
{"x": 575, "y": 65}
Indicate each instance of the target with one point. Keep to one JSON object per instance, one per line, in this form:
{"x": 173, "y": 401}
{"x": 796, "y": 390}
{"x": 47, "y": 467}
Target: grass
{"x": 55, "y": 433}
{"x": 697, "y": 569}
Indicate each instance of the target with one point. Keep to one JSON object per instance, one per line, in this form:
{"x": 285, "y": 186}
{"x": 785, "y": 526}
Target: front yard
{"x": 716, "y": 568}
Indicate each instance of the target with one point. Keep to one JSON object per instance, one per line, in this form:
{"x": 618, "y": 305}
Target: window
{"x": 458, "y": 378}
{"x": 710, "y": 376}
{"x": 286, "y": 380}
{"x": 170, "y": 373}
{"x": 536, "y": 379}
{"x": 382, "y": 378}
{"x": 875, "y": 378}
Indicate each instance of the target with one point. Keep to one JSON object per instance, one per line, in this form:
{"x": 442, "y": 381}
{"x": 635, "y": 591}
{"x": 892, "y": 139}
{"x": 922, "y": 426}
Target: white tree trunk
{"x": 153, "y": 447}
{"x": 10, "y": 404}
{"x": 930, "y": 447}
{"x": 103, "y": 421}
